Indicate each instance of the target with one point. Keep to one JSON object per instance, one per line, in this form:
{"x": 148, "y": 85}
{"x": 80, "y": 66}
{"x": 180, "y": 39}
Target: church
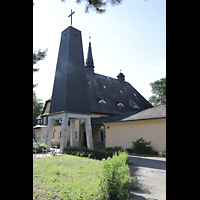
{"x": 95, "y": 110}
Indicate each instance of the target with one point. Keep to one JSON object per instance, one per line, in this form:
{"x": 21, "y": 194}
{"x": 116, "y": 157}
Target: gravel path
{"x": 151, "y": 176}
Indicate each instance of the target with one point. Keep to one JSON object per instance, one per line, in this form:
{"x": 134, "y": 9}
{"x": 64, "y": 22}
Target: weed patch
{"x": 76, "y": 178}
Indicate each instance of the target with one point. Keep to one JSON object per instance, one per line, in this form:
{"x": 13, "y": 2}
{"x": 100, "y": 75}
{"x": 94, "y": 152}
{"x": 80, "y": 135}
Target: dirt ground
{"x": 151, "y": 177}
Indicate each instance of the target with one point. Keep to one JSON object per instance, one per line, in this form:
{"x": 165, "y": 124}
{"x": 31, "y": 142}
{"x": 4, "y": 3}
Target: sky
{"x": 130, "y": 36}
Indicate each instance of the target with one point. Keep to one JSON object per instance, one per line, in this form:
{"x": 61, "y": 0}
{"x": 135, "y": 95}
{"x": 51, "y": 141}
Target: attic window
{"x": 104, "y": 86}
{"x": 102, "y": 101}
{"x": 89, "y": 83}
{"x": 121, "y": 91}
{"x": 132, "y": 104}
{"x": 108, "y": 77}
{"x": 120, "y": 104}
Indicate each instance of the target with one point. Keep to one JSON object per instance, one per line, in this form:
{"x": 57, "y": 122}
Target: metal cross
{"x": 71, "y": 16}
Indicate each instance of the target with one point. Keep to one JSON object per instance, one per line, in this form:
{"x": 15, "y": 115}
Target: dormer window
{"x": 120, "y": 104}
{"x": 102, "y": 101}
{"x": 132, "y": 104}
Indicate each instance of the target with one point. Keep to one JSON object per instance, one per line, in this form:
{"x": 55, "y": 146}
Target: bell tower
{"x": 69, "y": 96}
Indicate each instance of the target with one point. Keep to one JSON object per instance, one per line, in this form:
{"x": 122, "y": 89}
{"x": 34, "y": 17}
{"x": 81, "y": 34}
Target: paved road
{"x": 151, "y": 175}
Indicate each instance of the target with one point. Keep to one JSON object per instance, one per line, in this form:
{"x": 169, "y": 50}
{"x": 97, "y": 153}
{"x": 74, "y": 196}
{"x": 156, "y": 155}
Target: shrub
{"x": 39, "y": 147}
{"x": 115, "y": 177}
{"x": 91, "y": 153}
{"x": 162, "y": 154}
{"x": 143, "y": 147}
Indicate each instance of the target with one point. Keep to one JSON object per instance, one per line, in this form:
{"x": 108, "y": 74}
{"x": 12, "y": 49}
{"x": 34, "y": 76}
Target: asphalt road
{"x": 151, "y": 176}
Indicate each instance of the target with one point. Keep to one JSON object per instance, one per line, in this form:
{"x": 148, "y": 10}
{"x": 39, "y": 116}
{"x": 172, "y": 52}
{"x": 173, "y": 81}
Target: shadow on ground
{"x": 150, "y": 163}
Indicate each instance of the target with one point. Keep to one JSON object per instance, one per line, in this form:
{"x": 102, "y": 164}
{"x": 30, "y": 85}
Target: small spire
{"x": 89, "y": 60}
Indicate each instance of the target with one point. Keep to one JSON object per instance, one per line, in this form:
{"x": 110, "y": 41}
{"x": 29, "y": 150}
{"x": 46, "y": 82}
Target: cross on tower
{"x": 71, "y": 16}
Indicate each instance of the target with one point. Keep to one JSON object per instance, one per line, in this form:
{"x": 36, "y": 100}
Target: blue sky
{"x": 130, "y": 37}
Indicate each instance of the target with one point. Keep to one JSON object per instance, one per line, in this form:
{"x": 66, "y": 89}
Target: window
{"x": 60, "y": 134}
{"x": 104, "y": 86}
{"x": 89, "y": 83}
{"x": 135, "y": 94}
{"x": 132, "y": 104}
{"x": 121, "y": 91}
{"x": 53, "y": 134}
{"x": 38, "y": 135}
{"x": 45, "y": 120}
{"x": 102, "y": 101}
{"x": 120, "y": 104}
{"x": 76, "y": 136}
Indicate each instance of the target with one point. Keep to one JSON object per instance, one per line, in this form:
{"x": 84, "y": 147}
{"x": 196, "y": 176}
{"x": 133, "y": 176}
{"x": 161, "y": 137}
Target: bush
{"x": 115, "y": 177}
{"x": 39, "y": 147}
{"x": 162, "y": 154}
{"x": 85, "y": 152}
{"x": 143, "y": 147}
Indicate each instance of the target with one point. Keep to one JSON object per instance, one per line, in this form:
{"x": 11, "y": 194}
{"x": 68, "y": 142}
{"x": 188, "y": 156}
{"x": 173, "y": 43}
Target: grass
{"x": 65, "y": 177}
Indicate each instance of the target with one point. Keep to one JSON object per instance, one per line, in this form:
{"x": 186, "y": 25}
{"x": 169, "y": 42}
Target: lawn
{"x": 65, "y": 177}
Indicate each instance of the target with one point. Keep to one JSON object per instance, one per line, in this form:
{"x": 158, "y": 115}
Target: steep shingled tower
{"x": 70, "y": 85}
{"x": 69, "y": 97}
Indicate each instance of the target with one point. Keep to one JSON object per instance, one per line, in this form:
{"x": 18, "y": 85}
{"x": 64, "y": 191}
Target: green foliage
{"x": 39, "y": 55}
{"x": 162, "y": 154}
{"x": 159, "y": 89}
{"x": 98, "y": 5}
{"x": 40, "y": 146}
{"x": 98, "y": 154}
{"x": 143, "y": 147}
{"x": 66, "y": 177}
{"x": 115, "y": 177}
{"x": 37, "y": 108}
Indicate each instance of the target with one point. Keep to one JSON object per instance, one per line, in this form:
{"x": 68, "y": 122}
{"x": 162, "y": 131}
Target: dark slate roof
{"x": 70, "y": 85}
{"x": 78, "y": 89}
{"x": 156, "y": 112}
{"x": 44, "y": 108}
{"x": 112, "y": 96}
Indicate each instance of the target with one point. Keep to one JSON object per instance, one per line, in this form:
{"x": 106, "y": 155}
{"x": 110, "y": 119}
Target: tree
{"x": 159, "y": 89}
{"x": 98, "y": 5}
{"x": 37, "y": 108}
{"x": 39, "y": 55}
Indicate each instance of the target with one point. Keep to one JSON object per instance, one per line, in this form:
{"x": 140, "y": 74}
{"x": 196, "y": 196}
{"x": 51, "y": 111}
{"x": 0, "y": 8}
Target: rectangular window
{"x": 45, "y": 119}
{"x": 60, "y": 134}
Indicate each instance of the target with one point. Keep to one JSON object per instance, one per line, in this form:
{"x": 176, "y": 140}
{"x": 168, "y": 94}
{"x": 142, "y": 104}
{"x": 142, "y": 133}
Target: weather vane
{"x": 71, "y": 16}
